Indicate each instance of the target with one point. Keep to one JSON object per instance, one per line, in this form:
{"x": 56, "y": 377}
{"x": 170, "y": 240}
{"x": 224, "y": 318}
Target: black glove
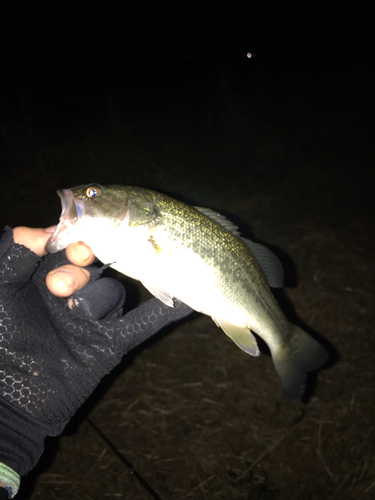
{"x": 51, "y": 357}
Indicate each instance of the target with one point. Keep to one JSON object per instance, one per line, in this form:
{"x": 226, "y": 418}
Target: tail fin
{"x": 301, "y": 355}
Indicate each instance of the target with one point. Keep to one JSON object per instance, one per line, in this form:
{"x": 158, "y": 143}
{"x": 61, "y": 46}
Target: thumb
{"x": 34, "y": 239}
{"x": 18, "y": 257}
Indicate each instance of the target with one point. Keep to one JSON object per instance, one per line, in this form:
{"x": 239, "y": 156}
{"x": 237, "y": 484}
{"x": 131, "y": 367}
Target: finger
{"x": 34, "y": 239}
{"x": 79, "y": 254}
{"x": 65, "y": 280}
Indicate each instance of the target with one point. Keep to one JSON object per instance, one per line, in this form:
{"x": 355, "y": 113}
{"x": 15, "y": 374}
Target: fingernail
{"x": 50, "y": 229}
{"x": 66, "y": 277}
{"x": 83, "y": 252}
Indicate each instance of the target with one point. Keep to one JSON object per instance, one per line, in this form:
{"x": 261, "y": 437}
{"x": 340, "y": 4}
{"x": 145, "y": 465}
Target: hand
{"x": 52, "y": 357}
{"x": 65, "y": 280}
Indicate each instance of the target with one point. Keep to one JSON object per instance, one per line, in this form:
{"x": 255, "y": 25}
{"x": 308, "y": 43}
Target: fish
{"x": 197, "y": 256}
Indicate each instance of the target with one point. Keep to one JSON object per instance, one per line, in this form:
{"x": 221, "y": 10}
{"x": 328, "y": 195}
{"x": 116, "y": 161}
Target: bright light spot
{"x": 249, "y": 55}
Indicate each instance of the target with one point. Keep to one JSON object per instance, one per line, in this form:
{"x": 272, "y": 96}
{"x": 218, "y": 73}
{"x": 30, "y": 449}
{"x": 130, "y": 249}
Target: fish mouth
{"x": 68, "y": 207}
{"x": 71, "y": 211}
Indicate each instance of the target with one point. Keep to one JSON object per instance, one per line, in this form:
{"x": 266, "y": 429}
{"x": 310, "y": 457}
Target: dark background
{"x": 282, "y": 144}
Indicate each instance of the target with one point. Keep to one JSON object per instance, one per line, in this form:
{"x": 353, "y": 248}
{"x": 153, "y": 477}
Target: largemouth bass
{"x": 197, "y": 256}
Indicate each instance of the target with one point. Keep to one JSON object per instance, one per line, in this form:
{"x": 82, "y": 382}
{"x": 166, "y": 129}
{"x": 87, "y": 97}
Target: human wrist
{"x": 9, "y": 480}
{"x": 21, "y": 438}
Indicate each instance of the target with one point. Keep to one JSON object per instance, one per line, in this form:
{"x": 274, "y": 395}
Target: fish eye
{"x": 93, "y": 192}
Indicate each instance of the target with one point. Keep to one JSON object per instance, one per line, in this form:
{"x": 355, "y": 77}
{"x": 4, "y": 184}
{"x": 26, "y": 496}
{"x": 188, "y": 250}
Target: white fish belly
{"x": 176, "y": 270}
{"x": 186, "y": 276}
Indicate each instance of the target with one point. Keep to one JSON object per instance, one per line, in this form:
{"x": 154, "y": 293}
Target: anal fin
{"x": 240, "y": 335}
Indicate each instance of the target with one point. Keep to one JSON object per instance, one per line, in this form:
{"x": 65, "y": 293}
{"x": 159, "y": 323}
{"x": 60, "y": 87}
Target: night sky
{"x": 58, "y": 68}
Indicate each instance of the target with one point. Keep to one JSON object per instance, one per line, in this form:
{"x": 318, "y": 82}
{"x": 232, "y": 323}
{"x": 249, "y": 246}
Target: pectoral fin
{"x": 240, "y": 335}
{"x": 160, "y": 294}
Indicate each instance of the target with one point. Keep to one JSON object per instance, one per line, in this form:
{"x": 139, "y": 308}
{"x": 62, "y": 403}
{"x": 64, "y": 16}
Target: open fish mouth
{"x": 68, "y": 207}
{"x": 71, "y": 211}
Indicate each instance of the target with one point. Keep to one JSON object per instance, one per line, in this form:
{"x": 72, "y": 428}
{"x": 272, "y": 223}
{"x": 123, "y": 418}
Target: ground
{"x": 194, "y": 415}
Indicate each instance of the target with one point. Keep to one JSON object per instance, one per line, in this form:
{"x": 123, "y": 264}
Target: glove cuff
{"x": 22, "y": 439}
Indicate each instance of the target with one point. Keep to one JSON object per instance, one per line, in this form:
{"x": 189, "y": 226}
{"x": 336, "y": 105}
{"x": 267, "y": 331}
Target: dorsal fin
{"x": 269, "y": 263}
{"x": 220, "y": 219}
